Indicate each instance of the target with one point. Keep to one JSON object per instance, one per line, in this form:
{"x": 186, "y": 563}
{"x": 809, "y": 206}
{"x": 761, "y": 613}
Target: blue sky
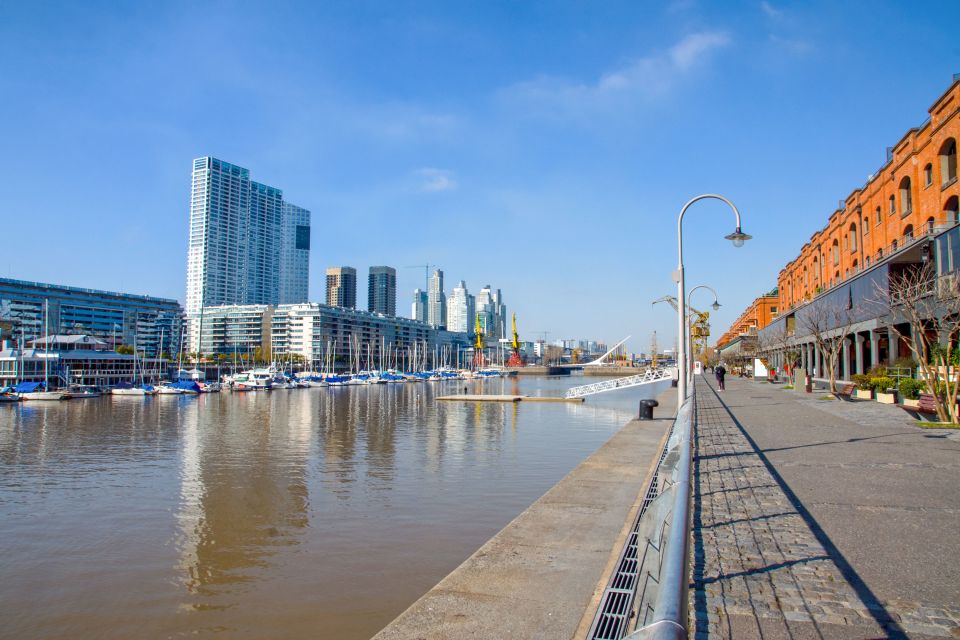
{"x": 543, "y": 148}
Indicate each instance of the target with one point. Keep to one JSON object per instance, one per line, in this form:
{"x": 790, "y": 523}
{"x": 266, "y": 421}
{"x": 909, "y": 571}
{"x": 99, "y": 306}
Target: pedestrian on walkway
{"x": 721, "y": 372}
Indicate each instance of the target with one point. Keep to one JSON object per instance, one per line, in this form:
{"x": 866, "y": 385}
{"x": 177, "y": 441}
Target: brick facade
{"x": 757, "y": 316}
{"x": 915, "y": 190}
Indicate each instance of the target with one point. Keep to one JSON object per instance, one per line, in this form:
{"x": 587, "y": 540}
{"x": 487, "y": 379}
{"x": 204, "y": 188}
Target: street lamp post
{"x": 715, "y": 306}
{"x": 737, "y": 238}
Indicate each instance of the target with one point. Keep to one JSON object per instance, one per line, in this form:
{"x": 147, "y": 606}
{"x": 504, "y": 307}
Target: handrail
{"x": 669, "y": 621}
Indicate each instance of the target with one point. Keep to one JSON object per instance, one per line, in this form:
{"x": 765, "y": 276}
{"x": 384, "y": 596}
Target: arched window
{"x": 930, "y": 224}
{"x": 893, "y": 245}
{"x": 879, "y": 216}
{"x": 852, "y": 242}
{"x": 865, "y": 225}
{"x": 836, "y": 276}
{"x": 928, "y": 175}
{"x": 951, "y": 210}
{"x": 879, "y": 253}
{"x": 908, "y": 231}
{"x": 906, "y": 196}
{"x": 948, "y": 161}
{"x": 836, "y": 252}
{"x": 855, "y": 264}
{"x": 893, "y": 205}
{"x": 866, "y": 262}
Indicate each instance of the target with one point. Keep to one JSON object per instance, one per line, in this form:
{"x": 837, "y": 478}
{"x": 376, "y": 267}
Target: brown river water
{"x": 313, "y": 513}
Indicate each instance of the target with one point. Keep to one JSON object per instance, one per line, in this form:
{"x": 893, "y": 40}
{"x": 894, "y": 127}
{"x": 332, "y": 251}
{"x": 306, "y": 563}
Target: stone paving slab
{"x": 821, "y": 523}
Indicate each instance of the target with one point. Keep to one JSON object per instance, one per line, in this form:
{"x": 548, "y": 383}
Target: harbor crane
{"x": 478, "y": 344}
{"x": 699, "y": 324}
{"x": 516, "y": 359}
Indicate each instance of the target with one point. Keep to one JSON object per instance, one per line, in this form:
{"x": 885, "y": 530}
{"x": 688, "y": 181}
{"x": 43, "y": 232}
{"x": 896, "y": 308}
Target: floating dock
{"x": 465, "y": 397}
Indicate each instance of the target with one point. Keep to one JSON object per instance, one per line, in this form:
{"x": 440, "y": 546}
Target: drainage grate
{"x": 616, "y": 605}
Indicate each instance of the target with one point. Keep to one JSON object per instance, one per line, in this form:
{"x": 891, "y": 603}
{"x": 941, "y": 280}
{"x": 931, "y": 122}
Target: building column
{"x": 874, "y": 348}
{"x": 844, "y": 363}
{"x": 893, "y": 340}
{"x": 858, "y": 352}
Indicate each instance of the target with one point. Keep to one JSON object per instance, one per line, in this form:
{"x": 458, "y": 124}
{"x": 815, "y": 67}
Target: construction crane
{"x": 699, "y": 325}
{"x": 426, "y": 273}
{"x": 516, "y": 359}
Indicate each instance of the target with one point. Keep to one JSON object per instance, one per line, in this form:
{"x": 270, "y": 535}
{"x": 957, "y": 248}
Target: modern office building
{"x": 294, "y": 254}
{"x": 342, "y": 287}
{"x": 146, "y": 322}
{"x": 382, "y": 291}
{"x": 436, "y": 302}
{"x": 321, "y": 334}
{"x": 418, "y": 310}
{"x": 461, "y": 309}
{"x": 245, "y": 246}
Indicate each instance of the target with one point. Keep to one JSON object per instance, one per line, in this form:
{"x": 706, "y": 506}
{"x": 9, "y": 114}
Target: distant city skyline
{"x": 556, "y": 170}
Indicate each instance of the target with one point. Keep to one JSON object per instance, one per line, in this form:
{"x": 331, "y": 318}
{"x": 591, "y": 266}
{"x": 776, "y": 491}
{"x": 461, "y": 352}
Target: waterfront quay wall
{"x": 542, "y": 576}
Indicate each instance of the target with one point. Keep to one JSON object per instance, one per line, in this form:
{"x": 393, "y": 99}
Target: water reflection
{"x": 285, "y": 514}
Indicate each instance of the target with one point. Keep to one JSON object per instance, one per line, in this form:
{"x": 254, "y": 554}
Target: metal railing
{"x": 650, "y": 584}
{"x": 648, "y": 376}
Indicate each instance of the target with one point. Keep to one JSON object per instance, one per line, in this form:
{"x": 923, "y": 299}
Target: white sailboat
{"x": 41, "y": 390}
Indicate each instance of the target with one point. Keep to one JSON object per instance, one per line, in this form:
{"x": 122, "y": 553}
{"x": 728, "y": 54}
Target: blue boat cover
{"x": 27, "y": 387}
{"x": 186, "y": 385}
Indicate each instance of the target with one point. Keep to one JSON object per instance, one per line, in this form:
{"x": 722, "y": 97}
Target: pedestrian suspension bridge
{"x": 648, "y": 377}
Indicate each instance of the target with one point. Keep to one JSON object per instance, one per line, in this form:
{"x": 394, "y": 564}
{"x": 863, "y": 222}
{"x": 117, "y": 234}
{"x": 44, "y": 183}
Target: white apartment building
{"x": 461, "y": 309}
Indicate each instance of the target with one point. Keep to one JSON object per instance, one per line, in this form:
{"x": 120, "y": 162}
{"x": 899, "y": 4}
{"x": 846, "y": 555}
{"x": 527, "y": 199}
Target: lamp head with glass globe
{"x": 738, "y": 237}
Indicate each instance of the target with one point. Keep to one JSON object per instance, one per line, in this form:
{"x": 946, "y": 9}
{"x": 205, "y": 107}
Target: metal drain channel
{"x": 616, "y": 604}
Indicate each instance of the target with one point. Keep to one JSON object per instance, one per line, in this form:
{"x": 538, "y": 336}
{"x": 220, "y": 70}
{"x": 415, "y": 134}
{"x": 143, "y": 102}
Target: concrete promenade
{"x": 543, "y": 574}
{"x": 821, "y": 519}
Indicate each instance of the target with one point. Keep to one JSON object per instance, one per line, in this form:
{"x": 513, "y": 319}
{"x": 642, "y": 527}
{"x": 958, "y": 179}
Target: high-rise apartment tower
{"x": 236, "y": 246}
{"x": 342, "y": 287}
{"x": 437, "y": 301}
{"x": 382, "y": 291}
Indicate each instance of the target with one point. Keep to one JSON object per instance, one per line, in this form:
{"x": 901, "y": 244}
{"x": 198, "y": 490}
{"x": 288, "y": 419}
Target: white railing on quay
{"x": 649, "y": 376}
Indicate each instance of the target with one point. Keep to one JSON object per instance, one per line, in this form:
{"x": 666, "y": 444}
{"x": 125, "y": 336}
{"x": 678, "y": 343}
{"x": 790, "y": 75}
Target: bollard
{"x": 646, "y": 409}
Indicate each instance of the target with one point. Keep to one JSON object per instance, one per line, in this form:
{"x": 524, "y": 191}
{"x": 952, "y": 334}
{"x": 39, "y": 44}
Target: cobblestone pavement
{"x": 763, "y": 567}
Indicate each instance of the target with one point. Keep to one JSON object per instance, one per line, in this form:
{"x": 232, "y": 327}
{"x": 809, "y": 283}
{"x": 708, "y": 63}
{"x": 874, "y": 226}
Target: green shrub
{"x": 905, "y": 362}
{"x": 911, "y": 388}
{"x": 881, "y": 384}
{"x": 862, "y": 380}
{"x": 878, "y": 371}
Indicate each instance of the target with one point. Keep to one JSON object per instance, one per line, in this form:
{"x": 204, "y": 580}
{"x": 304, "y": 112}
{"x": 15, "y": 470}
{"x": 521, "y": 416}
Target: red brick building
{"x": 914, "y": 193}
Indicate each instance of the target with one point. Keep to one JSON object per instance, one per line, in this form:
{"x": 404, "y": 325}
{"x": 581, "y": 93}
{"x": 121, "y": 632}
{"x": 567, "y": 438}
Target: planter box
{"x": 864, "y": 394}
{"x": 887, "y": 398}
{"x": 912, "y": 404}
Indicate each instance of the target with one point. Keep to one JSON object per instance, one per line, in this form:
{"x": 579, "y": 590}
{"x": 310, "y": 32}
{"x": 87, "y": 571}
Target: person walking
{"x": 721, "y": 372}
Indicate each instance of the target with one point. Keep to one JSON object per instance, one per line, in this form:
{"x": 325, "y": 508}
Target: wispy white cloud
{"x": 642, "y": 79}
{"x": 433, "y": 180}
{"x": 770, "y": 10}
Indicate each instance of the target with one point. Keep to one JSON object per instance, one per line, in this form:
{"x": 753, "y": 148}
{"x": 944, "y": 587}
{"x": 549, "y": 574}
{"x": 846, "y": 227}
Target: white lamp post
{"x": 737, "y": 238}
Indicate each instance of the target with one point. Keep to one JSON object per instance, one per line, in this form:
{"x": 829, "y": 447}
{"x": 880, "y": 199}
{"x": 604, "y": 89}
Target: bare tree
{"x": 828, "y": 324}
{"x": 931, "y": 307}
{"x": 779, "y": 341}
